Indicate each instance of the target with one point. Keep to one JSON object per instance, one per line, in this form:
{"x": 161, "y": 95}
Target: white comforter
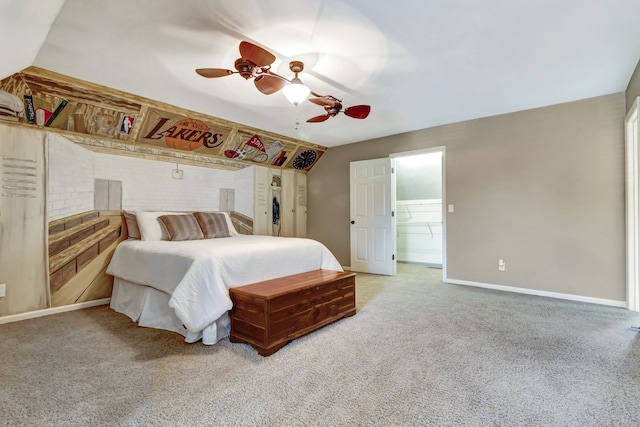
{"x": 198, "y": 273}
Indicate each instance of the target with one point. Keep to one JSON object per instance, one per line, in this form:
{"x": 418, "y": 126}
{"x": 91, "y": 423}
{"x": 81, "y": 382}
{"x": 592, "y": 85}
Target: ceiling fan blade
{"x": 268, "y": 84}
{"x": 318, "y": 119}
{"x": 358, "y": 111}
{"x": 213, "y": 72}
{"x": 323, "y": 101}
{"x": 256, "y": 54}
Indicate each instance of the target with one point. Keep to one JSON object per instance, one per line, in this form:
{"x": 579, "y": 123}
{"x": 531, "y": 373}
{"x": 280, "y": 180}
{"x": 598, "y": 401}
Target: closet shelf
{"x": 427, "y": 224}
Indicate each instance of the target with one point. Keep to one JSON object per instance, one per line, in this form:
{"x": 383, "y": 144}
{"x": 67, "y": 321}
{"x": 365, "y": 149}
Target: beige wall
{"x": 633, "y": 89}
{"x": 542, "y": 189}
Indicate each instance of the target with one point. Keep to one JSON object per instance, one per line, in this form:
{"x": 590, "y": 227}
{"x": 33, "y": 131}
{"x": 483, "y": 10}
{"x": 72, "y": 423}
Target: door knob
{"x": 353, "y": 222}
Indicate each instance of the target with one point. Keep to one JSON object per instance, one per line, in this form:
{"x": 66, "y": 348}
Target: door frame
{"x": 441, "y": 149}
{"x": 632, "y": 202}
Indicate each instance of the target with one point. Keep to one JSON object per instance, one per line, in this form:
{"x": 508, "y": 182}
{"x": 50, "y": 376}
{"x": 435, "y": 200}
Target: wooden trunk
{"x": 269, "y": 314}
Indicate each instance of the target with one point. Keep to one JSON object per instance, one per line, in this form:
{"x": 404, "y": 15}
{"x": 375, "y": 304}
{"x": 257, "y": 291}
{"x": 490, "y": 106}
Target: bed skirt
{"x": 149, "y": 307}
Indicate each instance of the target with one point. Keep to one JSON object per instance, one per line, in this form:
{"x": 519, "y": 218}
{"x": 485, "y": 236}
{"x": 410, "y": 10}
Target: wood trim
{"x": 54, "y": 310}
{"x": 632, "y": 154}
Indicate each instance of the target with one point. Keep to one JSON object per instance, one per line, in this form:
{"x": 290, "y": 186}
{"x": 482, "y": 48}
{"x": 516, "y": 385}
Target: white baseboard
{"x": 53, "y": 310}
{"x": 570, "y": 297}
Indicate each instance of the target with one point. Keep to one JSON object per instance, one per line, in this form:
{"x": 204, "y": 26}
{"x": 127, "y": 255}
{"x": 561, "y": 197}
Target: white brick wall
{"x": 146, "y": 184}
{"x": 244, "y": 184}
{"x": 70, "y": 181}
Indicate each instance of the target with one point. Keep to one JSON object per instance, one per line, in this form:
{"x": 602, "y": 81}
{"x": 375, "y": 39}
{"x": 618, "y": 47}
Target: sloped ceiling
{"x": 417, "y": 63}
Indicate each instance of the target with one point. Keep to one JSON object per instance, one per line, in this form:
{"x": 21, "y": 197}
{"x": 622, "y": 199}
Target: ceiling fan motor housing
{"x": 296, "y": 66}
{"x": 245, "y": 68}
{"x": 333, "y": 109}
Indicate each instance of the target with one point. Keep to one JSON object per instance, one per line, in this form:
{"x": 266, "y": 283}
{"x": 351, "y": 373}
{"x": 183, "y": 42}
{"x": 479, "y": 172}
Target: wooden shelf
{"x": 95, "y": 115}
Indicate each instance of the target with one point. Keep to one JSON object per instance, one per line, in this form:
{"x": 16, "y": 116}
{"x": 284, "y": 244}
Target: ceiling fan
{"x": 333, "y": 106}
{"x": 254, "y": 62}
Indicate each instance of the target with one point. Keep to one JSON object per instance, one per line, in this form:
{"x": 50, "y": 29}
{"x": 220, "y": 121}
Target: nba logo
{"x": 126, "y": 124}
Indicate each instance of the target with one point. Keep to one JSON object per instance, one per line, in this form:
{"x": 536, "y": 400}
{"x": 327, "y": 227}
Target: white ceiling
{"x": 418, "y": 63}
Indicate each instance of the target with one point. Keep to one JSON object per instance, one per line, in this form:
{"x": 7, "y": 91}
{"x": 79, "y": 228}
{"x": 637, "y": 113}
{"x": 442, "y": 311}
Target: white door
{"x": 372, "y": 197}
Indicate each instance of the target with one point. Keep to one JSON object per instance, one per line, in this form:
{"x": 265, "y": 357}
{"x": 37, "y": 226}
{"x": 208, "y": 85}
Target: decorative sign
{"x": 304, "y": 158}
{"x": 253, "y": 149}
{"x": 259, "y": 149}
{"x": 126, "y": 124}
{"x": 171, "y": 130}
{"x": 139, "y": 124}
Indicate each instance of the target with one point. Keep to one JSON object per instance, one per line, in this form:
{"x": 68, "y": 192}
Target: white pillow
{"x": 152, "y": 229}
{"x": 150, "y": 226}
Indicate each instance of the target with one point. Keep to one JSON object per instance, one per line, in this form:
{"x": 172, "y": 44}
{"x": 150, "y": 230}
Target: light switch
{"x": 450, "y": 208}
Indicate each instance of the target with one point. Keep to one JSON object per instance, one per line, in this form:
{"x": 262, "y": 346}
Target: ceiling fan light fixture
{"x": 296, "y": 92}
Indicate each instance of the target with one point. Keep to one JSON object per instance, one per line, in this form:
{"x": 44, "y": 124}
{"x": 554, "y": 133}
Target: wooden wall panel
{"x": 117, "y": 122}
{"x": 23, "y": 238}
{"x": 90, "y": 281}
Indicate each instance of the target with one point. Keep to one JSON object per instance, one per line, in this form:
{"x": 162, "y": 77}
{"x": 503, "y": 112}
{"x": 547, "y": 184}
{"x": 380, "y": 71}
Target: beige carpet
{"x": 418, "y": 352}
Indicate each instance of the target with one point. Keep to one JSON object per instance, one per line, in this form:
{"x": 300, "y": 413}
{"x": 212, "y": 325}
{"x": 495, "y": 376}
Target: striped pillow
{"x": 132, "y": 225}
{"x": 181, "y": 227}
{"x": 213, "y": 225}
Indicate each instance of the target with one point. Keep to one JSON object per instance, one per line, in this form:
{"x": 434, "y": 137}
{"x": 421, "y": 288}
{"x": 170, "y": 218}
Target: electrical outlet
{"x": 3, "y": 288}
{"x": 501, "y": 265}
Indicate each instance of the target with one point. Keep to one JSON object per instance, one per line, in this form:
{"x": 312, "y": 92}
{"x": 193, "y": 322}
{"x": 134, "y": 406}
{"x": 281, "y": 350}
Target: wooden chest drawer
{"x": 269, "y": 314}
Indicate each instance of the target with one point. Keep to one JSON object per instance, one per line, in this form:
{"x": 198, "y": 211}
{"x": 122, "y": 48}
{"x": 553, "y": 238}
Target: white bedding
{"x": 197, "y": 274}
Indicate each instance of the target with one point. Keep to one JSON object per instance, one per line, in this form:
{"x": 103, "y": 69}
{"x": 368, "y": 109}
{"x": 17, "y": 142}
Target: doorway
{"x": 420, "y": 231}
{"x": 373, "y": 210}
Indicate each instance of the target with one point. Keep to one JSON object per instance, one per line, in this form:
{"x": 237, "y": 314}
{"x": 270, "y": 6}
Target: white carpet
{"x": 418, "y": 352}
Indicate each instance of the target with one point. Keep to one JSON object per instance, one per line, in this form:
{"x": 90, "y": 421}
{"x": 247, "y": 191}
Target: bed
{"x": 182, "y": 284}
